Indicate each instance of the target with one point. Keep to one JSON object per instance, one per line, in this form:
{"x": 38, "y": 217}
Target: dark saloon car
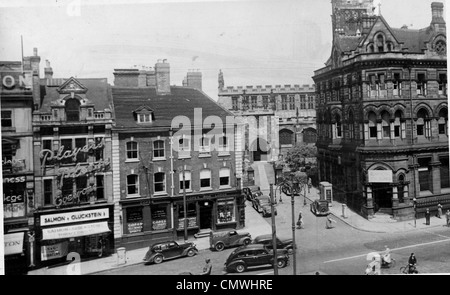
{"x": 159, "y": 252}
{"x": 282, "y": 242}
{"x": 262, "y": 205}
{"x": 254, "y": 255}
{"x": 228, "y": 238}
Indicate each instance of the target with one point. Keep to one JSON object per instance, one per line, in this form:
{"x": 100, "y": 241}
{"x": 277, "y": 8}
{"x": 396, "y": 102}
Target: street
{"x": 338, "y": 251}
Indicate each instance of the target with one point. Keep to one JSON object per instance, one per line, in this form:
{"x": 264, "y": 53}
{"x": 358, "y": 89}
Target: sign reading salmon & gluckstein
{"x": 71, "y": 217}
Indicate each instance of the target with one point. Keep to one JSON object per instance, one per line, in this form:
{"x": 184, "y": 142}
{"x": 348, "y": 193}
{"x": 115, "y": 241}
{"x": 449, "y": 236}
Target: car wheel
{"x": 158, "y": 259}
{"x": 246, "y": 242}
{"x": 281, "y": 263}
{"x": 290, "y": 251}
{"x": 220, "y": 246}
{"x": 240, "y": 268}
{"x": 190, "y": 253}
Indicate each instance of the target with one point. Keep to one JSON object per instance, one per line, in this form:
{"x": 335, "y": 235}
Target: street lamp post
{"x": 185, "y": 205}
{"x": 294, "y": 255}
{"x": 415, "y": 211}
{"x": 274, "y": 232}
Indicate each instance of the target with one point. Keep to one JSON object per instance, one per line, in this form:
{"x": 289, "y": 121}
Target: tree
{"x": 296, "y": 156}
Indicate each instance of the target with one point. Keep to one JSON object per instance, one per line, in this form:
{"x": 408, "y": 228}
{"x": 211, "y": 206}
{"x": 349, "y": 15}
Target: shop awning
{"x": 13, "y": 243}
{"x": 79, "y": 230}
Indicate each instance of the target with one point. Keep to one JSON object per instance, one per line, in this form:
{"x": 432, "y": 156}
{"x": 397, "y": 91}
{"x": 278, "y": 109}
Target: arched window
{"x": 338, "y": 126}
{"x": 423, "y": 123}
{"x": 372, "y": 125}
{"x": 399, "y": 126}
{"x": 351, "y": 125}
{"x": 400, "y": 188}
{"x": 442, "y": 122}
{"x": 380, "y": 43}
{"x": 73, "y": 109}
{"x": 385, "y": 124}
{"x": 286, "y": 137}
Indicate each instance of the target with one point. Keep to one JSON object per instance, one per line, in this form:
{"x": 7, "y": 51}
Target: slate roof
{"x": 98, "y": 92}
{"x": 414, "y": 40}
{"x": 180, "y": 102}
{"x": 349, "y": 43}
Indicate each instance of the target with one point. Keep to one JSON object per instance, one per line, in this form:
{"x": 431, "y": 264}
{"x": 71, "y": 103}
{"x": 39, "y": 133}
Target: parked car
{"x": 228, "y": 238}
{"x": 250, "y": 190}
{"x": 282, "y": 242}
{"x": 320, "y": 207}
{"x": 262, "y": 205}
{"x": 253, "y": 255}
{"x": 159, "y": 252}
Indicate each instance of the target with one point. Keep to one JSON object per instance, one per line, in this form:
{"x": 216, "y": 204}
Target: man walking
{"x": 447, "y": 215}
{"x": 439, "y": 211}
{"x": 427, "y": 217}
{"x": 300, "y": 221}
{"x": 329, "y": 222}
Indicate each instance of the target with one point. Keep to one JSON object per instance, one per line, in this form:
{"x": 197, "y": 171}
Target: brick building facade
{"x": 382, "y": 113}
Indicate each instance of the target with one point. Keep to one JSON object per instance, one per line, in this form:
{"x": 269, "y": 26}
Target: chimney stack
{"x": 162, "y": 72}
{"x": 48, "y": 71}
{"x": 437, "y": 12}
{"x": 193, "y": 80}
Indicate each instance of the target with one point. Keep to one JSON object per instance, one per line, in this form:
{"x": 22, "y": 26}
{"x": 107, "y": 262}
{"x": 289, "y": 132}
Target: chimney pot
{"x": 35, "y": 51}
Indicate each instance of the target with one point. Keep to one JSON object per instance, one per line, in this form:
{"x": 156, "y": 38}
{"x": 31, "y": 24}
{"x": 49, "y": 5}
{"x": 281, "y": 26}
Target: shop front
{"x": 15, "y": 258}
{"x": 86, "y": 231}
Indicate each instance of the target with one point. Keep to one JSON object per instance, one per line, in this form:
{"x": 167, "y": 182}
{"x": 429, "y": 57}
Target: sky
{"x": 253, "y": 42}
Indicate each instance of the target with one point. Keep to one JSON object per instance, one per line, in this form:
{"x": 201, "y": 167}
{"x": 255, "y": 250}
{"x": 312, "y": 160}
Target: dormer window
{"x": 144, "y": 115}
{"x": 144, "y": 118}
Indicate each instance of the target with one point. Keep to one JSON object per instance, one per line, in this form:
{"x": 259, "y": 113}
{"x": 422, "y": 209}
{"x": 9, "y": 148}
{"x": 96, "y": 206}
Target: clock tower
{"x": 347, "y": 15}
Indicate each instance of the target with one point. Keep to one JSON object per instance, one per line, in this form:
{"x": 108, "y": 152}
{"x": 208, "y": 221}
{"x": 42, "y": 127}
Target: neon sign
{"x": 49, "y": 155}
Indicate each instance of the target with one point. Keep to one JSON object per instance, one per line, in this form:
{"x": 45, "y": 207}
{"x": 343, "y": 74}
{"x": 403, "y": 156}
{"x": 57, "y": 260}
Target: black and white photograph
{"x": 224, "y": 138}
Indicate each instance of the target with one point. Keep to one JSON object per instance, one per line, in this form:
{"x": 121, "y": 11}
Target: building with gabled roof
{"x": 153, "y": 153}
{"x": 382, "y": 113}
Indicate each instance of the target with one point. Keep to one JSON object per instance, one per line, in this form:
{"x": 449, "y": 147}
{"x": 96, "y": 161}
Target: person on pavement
{"x": 329, "y": 222}
{"x": 386, "y": 255}
{"x": 439, "y": 211}
{"x": 412, "y": 261}
{"x": 447, "y": 215}
{"x": 207, "y": 268}
{"x": 300, "y": 220}
{"x": 427, "y": 217}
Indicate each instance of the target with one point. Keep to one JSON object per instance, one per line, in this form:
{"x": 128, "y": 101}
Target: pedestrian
{"x": 329, "y": 222}
{"x": 300, "y": 220}
{"x": 427, "y": 217}
{"x": 439, "y": 211}
{"x": 100, "y": 247}
{"x": 447, "y": 215}
{"x": 412, "y": 261}
{"x": 207, "y": 268}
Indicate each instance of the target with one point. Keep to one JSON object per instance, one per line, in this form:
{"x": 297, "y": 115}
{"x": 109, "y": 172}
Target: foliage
{"x": 296, "y": 157}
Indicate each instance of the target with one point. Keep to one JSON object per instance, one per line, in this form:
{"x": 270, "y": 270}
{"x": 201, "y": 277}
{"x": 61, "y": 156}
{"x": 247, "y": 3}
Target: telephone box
{"x": 326, "y": 192}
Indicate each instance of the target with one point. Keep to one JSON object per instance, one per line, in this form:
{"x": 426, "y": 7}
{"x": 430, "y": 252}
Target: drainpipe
{"x": 171, "y": 162}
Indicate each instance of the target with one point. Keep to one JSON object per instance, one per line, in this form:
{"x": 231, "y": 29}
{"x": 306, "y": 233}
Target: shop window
{"x": 225, "y": 210}
{"x": 135, "y": 220}
{"x": 191, "y": 215}
{"x": 302, "y": 102}
{"x": 443, "y": 121}
{"x": 132, "y": 184}
{"x": 132, "y": 150}
{"x": 7, "y": 119}
{"x": 424, "y": 174}
{"x": 205, "y": 179}
{"x": 386, "y": 125}
{"x": 159, "y": 217}
{"x": 442, "y": 84}
{"x": 72, "y": 110}
{"x": 160, "y": 182}
{"x": 234, "y": 103}
{"x": 14, "y": 195}
{"x": 291, "y": 102}
{"x": 158, "y": 149}
{"x": 372, "y": 125}
{"x": 445, "y": 179}
{"x": 224, "y": 174}
{"x": 421, "y": 84}
{"x": 284, "y": 103}
{"x": 187, "y": 180}
{"x": 48, "y": 192}
{"x": 100, "y": 186}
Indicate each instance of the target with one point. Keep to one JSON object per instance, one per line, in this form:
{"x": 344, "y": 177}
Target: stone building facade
{"x": 382, "y": 113}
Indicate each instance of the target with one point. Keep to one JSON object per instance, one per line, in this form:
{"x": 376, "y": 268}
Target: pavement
{"x": 255, "y": 224}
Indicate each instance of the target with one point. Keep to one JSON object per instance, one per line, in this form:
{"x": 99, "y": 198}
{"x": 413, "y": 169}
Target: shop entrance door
{"x": 206, "y": 215}
{"x": 382, "y": 193}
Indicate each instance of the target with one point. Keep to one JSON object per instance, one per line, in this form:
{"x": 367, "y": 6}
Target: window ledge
{"x": 223, "y": 154}
{"x": 133, "y": 196}
{"x": 206, "y": 189}
{"x": 184, "y": 156}
{"x": 225, "y": 187}
{"x": 131, "y": 160}
{"x": 158, "y": 159}
{"x": 187, "y": 191}
{"x": 204, "y": 155}
{"x": 158, "y": 194}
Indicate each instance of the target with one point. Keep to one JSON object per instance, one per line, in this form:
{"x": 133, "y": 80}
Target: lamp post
{"x": 185, "y": 205}
{"x": 415, "y": 211}
{"x": 294, "y": 256}
{"x": 274, "y": 232}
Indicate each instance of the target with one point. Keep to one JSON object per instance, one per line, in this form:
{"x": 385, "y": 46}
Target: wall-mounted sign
{"x": 81, "y": 170}
{"x": 14, "y": 179}
{"x": 78, "y": 216}
{"x": 80, "y": 230}
{"x": 13, "y": 243}
{"x": 74, "y": 199}
{"x": 48, "y": 155}
{"x": 54, "y": 251}
{"x": 16, "y": 80}
{"x": 380, "y": 176}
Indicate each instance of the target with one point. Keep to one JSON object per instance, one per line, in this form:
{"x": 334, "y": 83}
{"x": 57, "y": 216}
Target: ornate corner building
{"x": 382, "y": 113}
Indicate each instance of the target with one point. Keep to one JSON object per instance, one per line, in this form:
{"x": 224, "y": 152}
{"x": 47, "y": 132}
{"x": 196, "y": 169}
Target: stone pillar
{"x": 394, "y": 196}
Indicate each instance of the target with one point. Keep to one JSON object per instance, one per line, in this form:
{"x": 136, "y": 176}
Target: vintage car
{"x": 159, "y": 252}
{"x": 254, "y": 255}
{"x": 320, "y": 207}
{"x": 249, "y": 191}
{"x": 228, "y": 238}
{"x": 282, "y": 242}
{"x": 262, "y": 205}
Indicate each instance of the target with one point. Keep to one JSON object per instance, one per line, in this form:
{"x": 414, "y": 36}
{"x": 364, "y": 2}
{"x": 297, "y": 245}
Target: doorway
{"x": 260, "y": 150}
{"x": 205, "y": 214}
{"x": 382, "y": 195}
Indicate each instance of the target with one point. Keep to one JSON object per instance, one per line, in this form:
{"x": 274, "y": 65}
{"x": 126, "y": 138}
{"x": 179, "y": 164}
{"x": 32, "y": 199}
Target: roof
{"x": 348, "y": 43}
{"x": 98, "y": 92}
{"x": 182, "y": 101}
{"x": 414, "y": 40}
